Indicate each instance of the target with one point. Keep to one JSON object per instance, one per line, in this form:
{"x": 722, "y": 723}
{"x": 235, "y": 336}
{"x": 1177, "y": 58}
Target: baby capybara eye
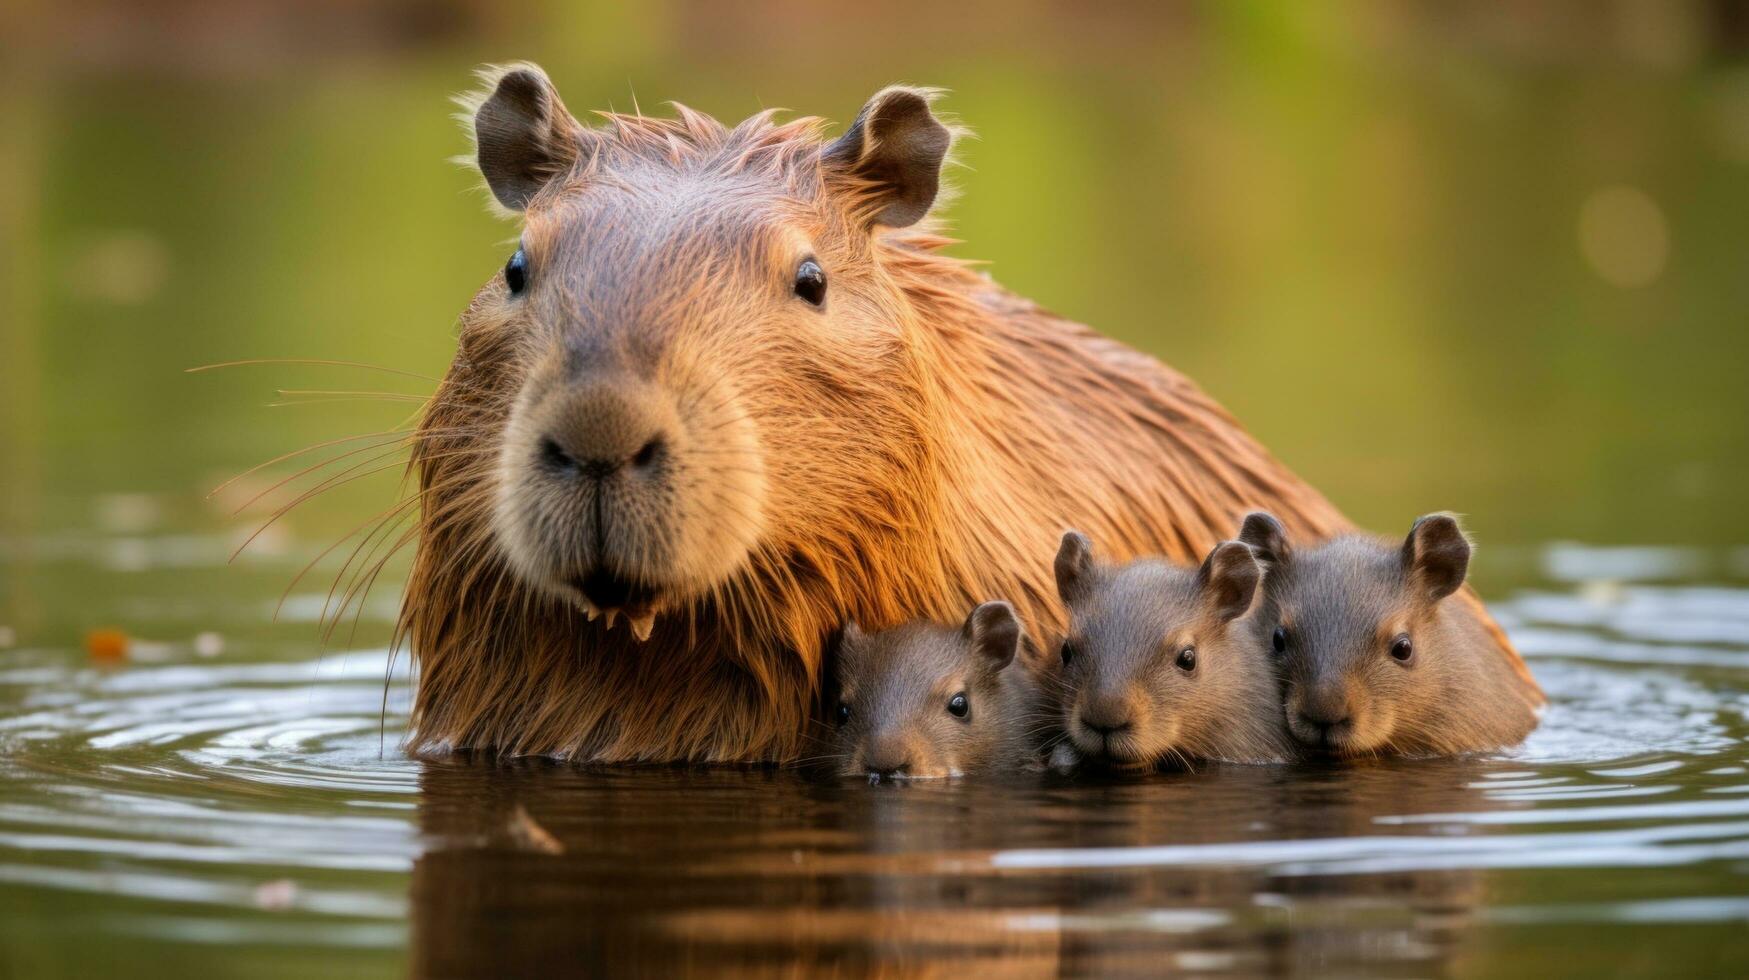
{"x": 1186, "y": 659}
{"x": 1068, "y": 653}
{"x": 958, "y": 705}
{"x": 1279, "y": 640}
{"x": 843, "y": 713}
{"x": 516, "y": 272}
{"x": 1402, "y": 649}
{"x": 811, "y": 282}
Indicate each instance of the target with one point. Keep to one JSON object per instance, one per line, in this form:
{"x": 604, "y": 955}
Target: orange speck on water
{"x": 107, "y": 645}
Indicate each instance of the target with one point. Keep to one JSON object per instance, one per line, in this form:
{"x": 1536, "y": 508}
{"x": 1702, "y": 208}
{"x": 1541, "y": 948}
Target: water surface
{"x": 214, "y": 802}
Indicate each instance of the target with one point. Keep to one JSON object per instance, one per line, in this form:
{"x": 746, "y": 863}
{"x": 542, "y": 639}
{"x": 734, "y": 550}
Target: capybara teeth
{"x": 611, "y": 614}
{"x": 642, "y": 624}
{"x": 589, "y": 610}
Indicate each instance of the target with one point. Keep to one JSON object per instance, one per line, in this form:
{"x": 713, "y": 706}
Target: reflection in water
{"x": 768, "y": 871}
{"x": 187, "y": 804}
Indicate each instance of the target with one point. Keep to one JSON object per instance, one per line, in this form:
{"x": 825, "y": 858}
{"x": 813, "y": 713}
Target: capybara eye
{"x": 1186, "y": 659}
{"x": 516, "y": 273}
{"x": 1068, "y": 653}
{"x": 1279, "y": 640}
{"x": 843, "y": 713}
{"x": 1402, "y": 649}
{"x": 811, "y": 282}
{"x": 958, "y": 705}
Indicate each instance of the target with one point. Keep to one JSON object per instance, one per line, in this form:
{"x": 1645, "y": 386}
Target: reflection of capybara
{"x": 1375, "y": 659}
{"x": 1164, "y": 663}
{"x": 728, "y": 393}
{"x": 923, "y": 701}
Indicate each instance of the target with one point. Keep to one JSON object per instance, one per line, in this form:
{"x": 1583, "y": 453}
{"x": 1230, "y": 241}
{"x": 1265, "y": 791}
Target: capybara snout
{"x": 611, "y": 497}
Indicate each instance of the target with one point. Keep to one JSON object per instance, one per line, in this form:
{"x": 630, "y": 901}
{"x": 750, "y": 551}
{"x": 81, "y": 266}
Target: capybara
{"x": 922, "y": 701}
{"x": 1163, "y": 663}
{"x": 728, "y": 394}
{"x": 1375, "y": 656}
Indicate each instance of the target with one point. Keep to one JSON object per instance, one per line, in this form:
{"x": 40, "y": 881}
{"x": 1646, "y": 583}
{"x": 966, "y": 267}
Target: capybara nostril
{"x": 888, "y": 764}
{"x": 555, "y": 460}
{"x": 651, "y": 453}
{"x": 1107, "y": 728}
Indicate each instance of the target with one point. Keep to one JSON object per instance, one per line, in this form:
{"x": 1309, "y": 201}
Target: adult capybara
{"x": 728, "y": 394}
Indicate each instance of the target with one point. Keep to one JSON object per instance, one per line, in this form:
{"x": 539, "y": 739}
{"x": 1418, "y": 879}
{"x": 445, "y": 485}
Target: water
{"x": 218, "y": 801}
{"x": 1434, "y": 256}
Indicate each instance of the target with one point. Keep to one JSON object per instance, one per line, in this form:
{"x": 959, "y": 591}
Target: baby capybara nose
{"x": 887, "y": 756}
{"x": 1106, "y": 717}
{"x": 1324, "y": 711}
{"x": 598, "y": 429}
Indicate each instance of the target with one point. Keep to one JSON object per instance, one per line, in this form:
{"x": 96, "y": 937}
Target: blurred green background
{"x": 1485, "y": 257}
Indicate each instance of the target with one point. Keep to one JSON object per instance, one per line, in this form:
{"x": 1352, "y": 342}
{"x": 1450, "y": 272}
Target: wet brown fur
{"x": 957, "y": 441}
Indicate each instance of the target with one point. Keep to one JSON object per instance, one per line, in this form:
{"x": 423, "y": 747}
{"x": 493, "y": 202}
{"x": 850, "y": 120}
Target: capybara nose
{"x": 1106, "y": 716}
{"x": 561, "y": 460}
{"x": 597, "y": 430}
{"x": 1323, "y": 728}
{"x": 887, "y": 757}
{"x": 1107, "y": 729}
{"x": 1324, "y": 710}
{"x": 1324, "y": 716}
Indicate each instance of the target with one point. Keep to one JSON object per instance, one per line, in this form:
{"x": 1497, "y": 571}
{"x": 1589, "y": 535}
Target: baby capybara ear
{"x": 523, "y": 135}
{"x": 1228, "y": 579}
{"x": 994, "y": 632}
{"x": 894, "y": 148}
{"x": 1074, "y": 566}
{"x": 1263, "y": 532}
{"x": 1436, "y": 556}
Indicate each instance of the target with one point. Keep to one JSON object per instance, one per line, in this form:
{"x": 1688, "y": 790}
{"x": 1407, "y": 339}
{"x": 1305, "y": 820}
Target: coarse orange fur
{"x": 909, "y": 470}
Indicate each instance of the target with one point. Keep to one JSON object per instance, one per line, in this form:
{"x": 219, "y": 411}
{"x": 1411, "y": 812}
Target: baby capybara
{"x": 1163, "y": 663}
{"x": 1375, "y": 655}
{"x": 924, "y": 701}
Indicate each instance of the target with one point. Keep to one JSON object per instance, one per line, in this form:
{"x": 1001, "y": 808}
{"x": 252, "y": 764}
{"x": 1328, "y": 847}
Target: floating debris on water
{"x": 528, "y": 835}
{"x": 108, "y": 646}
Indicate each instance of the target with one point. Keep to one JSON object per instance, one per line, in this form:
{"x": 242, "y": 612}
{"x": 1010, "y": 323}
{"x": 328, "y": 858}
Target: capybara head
{"x": 1373, "y": 655}
{"x": 691, "y": 349}
{"x": 1163, "y": 663}
{"x": 922, "y": 701}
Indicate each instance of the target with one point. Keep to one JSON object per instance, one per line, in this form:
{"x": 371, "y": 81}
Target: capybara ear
{"x": 1436, "y": 556}
{"x": 895, "y": 148}
{"x": 523, "y": 135}
{"x": 850, "y": 634}
{"x": 994, "y": 632}
{"x": 1263, "y": 532}
{"x": 1228, "y": 579}
{"x": 1074, "y": 566}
